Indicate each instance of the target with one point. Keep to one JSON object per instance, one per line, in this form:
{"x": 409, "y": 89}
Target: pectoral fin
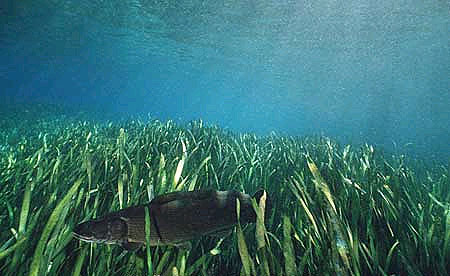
{"x": 183, "y": 245}
{"x": 131, "y": 246}
{"x": 221, "y": 233}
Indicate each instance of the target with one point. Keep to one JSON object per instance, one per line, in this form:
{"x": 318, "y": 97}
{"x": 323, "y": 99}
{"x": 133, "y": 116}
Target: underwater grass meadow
{"x": 336, "y": 210}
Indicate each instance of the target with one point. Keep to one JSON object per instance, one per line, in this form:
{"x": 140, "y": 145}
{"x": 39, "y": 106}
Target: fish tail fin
{"x": 257, "y": 196}
{"x": 249, "y": 213}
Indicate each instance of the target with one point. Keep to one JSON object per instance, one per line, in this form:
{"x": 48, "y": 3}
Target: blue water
{"x": 358, "y": 71}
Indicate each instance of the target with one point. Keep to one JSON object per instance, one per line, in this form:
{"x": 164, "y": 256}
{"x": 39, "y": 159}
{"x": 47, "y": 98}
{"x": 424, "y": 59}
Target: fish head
{"x": 109, "y": 230}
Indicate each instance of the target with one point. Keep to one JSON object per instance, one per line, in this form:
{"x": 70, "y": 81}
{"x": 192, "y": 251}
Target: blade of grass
{"x": 11, "y": 249}
{"x": 54, "y": 217}
{"x": 147, "y": 239}
{"x": 242, "y": 245}
{"x": 79, "y": 262}
{"x": 288, "y": 249}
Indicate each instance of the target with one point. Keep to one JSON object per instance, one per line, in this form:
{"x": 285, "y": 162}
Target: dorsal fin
{"x": 161, "y": 199}
{"x": 193, "y": 195}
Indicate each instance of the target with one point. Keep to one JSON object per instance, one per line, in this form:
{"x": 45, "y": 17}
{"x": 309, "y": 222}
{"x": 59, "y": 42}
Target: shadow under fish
{"x": 175, "y": 219}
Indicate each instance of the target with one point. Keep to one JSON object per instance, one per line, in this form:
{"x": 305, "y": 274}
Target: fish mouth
{"x": 81, "y": 238}
{"x": 84, "y": 233}
{"x": 91, "y": 239}
{"x": 100, "y": 231}
{"x": 84, "y": 238}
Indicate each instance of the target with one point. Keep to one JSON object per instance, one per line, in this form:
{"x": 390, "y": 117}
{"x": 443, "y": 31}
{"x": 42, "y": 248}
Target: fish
{"x": 175, "y": 219}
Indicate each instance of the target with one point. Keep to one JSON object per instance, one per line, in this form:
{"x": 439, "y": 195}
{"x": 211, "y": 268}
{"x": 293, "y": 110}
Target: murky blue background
{"x": 359, "y": 71}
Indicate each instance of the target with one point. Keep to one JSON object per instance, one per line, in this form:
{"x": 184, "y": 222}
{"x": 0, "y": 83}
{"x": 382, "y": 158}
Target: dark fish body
{"x": 174, "y": 219}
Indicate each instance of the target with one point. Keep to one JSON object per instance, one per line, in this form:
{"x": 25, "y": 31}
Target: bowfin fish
{"x": 175, "y": 219}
